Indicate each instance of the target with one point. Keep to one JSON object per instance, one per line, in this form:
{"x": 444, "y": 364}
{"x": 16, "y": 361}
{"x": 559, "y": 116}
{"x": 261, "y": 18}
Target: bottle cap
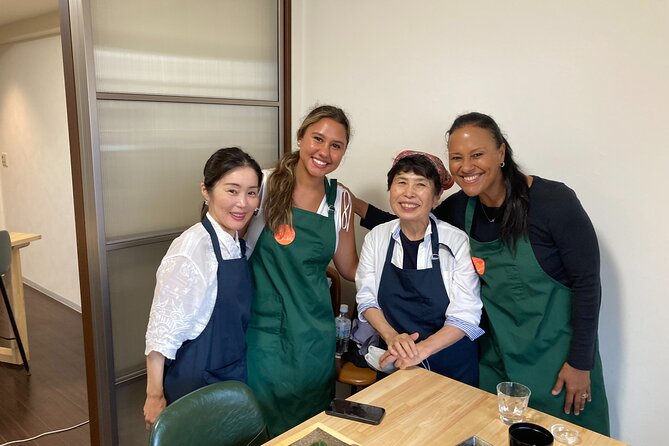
{"x": 343, "y": 308}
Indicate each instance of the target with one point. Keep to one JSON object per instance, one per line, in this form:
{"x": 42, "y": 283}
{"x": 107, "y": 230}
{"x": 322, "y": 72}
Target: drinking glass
{"x": 512, "y": 399}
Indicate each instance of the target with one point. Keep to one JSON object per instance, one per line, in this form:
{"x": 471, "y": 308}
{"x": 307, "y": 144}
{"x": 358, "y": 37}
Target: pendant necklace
{"x": 490, "y": 220}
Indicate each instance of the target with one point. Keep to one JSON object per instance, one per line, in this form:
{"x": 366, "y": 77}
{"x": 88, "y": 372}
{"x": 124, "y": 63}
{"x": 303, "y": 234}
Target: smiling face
{"x": 474, "y": 161}
{"x": 233, "y": 199}
{"x": 412, "y": 198}
{"x": 322, "y": 146}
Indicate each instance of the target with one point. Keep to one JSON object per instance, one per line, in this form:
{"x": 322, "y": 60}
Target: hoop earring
{"x": 502, "y": 164}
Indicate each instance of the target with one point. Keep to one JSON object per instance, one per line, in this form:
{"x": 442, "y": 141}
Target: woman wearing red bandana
{"x": 416, "y": 283}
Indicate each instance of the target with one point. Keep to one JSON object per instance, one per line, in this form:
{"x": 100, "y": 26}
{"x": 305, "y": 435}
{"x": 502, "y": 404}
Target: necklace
{"x": 490, "y": 220}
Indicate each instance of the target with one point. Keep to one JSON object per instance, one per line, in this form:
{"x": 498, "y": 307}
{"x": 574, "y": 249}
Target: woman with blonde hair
{"x": 303, "y": 224}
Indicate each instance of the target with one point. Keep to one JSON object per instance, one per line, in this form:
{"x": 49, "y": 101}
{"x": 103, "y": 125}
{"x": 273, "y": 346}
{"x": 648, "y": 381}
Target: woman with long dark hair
{"x": 537, "y": 255}
{"x": 303, "y": 224}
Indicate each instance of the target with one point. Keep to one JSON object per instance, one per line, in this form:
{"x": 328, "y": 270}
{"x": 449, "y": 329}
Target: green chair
{"x": 221, "y": 414}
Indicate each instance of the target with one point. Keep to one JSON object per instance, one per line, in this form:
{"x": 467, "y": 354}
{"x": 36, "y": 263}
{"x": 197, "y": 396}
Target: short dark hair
{"x": 223, "y": 161}
{"x": 419, "y": 165}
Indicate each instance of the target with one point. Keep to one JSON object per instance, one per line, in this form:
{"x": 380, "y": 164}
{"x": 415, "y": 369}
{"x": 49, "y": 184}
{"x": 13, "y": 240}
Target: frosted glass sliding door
{"x": 208, "y": 48}
{"x": 152, "y": 155}
{"x": 158, "y": 86}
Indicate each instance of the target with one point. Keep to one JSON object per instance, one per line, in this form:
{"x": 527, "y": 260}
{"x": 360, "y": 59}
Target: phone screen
{"x": 356, "y": 411}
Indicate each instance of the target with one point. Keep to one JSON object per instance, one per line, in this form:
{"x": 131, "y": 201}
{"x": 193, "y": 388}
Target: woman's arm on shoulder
{"x": 370, "y": 215}
{"x": 346, "y": 256}
{"x": 452, "y": 209}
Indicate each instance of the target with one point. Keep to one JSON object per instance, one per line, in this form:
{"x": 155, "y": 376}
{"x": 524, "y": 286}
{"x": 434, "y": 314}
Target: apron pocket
{"x": 421, "y": 308}
{"x": 267, "y": 314}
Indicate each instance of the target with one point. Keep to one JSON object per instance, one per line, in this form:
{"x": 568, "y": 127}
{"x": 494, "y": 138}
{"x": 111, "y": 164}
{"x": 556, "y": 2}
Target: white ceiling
{"x": 15, "y": 10}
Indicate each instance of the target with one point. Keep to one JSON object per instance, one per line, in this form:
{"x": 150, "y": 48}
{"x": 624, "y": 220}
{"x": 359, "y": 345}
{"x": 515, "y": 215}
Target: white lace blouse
{"x": 186, "y": 287}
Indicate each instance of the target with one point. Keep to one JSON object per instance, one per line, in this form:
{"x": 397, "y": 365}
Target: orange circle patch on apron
{"x": 479, "y": 264}
{"x": 284, "y": 235}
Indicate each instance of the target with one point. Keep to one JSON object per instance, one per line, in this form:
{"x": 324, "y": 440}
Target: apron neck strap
{"x": 469, "y": 214}
{"x": 435, "y": 245}
{"x": 214, "y": 238}
{"x": 330, "y": 193}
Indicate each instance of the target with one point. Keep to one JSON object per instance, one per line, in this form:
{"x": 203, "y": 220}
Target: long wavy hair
{"x": 278, "y": 202}
{"x": 220, "y": 163}
{"x": 516, "y": 201}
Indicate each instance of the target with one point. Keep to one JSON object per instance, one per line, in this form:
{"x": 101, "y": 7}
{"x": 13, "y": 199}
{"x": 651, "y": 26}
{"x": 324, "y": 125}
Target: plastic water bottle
{"x": 343, "y": 326}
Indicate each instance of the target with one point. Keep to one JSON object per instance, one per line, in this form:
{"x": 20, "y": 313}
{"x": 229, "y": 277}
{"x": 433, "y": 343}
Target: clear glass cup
{"x": 512, "y": 400}
{"x": 564, "y": 434}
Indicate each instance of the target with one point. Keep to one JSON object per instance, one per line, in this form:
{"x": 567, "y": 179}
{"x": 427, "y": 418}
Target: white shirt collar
{"x": 428, "y": 230}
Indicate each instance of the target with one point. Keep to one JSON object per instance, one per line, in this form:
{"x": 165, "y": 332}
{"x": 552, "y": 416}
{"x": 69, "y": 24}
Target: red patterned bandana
{"x": 445, "y": 177}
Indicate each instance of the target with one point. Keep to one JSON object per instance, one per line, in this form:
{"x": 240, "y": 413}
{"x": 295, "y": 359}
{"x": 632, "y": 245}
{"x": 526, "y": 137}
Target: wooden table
{"x": 424, "y": 408}
{"x": 19, "y": 240}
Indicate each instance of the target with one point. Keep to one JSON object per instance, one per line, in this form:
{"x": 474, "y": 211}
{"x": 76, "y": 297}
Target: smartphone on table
{"x": 351, "y": 410}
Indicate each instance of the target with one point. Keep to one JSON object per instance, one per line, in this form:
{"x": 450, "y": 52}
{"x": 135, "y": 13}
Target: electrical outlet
{"x": 4, "y": 159}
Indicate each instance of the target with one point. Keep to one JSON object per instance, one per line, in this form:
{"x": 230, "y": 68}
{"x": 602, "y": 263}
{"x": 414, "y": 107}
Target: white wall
{"x": 580, "y": 89}
{"x": 2, "y": 210}
{"x": 37, "y": 185}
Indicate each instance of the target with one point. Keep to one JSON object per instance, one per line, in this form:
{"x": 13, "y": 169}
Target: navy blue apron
{"x": 219, "y": 352}
{"x": 415, "y": 300}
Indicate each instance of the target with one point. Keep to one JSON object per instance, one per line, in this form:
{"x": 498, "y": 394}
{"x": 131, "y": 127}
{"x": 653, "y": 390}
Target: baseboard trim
{"x": 52, "y": 295}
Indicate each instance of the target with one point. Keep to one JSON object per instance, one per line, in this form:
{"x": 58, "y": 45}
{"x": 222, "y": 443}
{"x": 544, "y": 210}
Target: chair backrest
{"x": 5, "y": 252}
{"x": 221, "y": 414}
{"x": 335, "y": 288}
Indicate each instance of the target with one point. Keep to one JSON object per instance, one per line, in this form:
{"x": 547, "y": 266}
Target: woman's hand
{"x": 386, "y": 359}
{"x": 153, "y": 405}
{"x": 577, "y": 384}
{"x": 403, "y": 363}
{"x": 403, "y": 345}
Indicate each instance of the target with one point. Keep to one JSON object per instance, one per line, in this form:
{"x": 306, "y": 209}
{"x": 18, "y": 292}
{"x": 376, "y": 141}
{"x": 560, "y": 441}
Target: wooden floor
{"x": 54, "y": 396}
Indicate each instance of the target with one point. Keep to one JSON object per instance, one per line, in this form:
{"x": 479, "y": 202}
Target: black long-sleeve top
{"x": 564, "y": 243}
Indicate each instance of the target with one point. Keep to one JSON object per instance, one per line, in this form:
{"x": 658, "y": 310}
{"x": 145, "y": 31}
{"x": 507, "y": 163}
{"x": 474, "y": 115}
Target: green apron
{"x": 528, "y": 330}
{"x": 291, "y": 333}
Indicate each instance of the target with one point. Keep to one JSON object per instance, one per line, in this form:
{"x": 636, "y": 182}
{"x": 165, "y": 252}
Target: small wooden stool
{"x": 356, "y": 377}
{"x": 347, "y": 372}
